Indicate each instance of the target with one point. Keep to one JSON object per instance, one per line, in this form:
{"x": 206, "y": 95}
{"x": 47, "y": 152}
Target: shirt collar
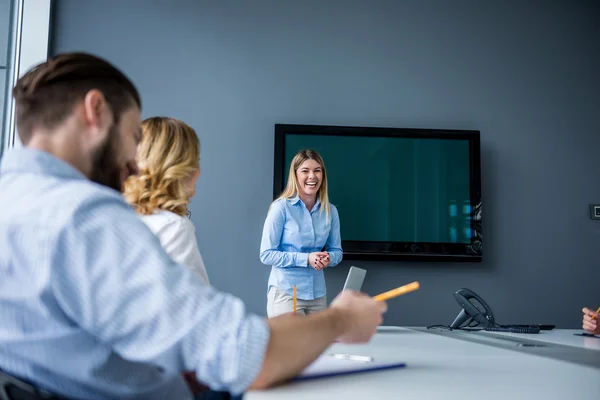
{"x": 296, "y": 199}
{"x": 38, "y": 162}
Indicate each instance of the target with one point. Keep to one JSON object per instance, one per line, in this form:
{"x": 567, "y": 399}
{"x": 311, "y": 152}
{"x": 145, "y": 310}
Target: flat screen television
{"x": 402, "y": 194}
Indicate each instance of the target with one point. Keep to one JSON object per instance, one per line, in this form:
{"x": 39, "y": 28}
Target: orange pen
{"x": 411, "y": 287}
{"x": 596, "y": 313}
{"x": 295, "y": 301}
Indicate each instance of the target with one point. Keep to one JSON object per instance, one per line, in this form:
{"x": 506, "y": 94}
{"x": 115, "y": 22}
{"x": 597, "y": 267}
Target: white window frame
{"x": 29, "y": 46}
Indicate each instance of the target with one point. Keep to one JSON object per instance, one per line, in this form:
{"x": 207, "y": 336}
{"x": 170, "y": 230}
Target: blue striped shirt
{"x": 290, "y": 234}
{"x": 92, "y": 307}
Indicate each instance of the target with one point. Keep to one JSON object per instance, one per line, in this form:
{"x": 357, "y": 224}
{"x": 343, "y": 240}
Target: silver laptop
{"x": 355, "y": 279}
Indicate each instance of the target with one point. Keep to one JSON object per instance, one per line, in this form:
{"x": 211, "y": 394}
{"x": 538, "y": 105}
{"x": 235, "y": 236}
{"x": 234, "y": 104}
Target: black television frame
{"x": 397, "y": 251}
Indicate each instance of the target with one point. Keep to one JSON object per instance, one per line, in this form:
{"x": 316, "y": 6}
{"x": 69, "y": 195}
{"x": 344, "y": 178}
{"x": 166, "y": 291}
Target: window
{"x": 24, "y": 39}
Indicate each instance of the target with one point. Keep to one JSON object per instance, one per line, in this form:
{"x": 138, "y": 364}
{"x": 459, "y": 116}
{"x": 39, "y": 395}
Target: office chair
{"x": 12, "y": 388}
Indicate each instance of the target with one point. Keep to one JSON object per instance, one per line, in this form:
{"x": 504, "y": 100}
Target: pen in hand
{"x": 295, "y": 298}
{"x": 411, "y": 287}
{"x": 596, "y": 314}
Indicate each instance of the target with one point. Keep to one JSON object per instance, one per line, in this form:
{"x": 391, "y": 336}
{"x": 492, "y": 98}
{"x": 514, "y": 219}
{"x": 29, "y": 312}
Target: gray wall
{"x": 525, "y": 73}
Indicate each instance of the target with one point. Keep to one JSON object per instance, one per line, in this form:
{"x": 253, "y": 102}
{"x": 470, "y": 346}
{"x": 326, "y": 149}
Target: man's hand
{"x": 362, "y": 315}
{"x": 317, "y": 260}
{"x": 590, "y": 325}
{"x": 296, "y": 341}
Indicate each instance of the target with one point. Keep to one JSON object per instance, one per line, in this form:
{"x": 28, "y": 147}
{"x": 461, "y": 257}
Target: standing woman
{"x": 301, "y": 237}
{"x": 168, "y": 159}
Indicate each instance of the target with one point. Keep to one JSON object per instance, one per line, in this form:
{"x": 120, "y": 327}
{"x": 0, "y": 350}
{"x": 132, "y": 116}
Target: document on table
{"x": 328, "y": 365}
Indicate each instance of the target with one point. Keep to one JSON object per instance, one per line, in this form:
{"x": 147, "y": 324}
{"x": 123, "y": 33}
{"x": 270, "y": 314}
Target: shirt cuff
{"x": 257, "y": 340}
{"x": 301, "y": 259}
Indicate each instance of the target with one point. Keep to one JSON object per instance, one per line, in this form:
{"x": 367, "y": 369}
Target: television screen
{"x": 401, "y": 193}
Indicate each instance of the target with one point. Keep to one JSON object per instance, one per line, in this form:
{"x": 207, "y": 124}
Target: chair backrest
{"x": 12, "y": 388}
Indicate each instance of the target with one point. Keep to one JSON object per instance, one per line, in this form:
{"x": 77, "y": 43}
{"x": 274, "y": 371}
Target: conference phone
{"x": 476, "y": 314}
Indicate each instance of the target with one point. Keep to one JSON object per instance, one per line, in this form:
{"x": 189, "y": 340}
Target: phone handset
{"x": 470, "y": 312}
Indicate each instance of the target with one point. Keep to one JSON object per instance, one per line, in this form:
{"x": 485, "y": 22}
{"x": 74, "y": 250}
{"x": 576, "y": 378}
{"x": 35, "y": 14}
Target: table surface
{"x": 564, "y": 337}
{"x": 445, "y": 367}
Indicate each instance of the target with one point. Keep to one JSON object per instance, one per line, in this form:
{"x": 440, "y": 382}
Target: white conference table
{"x": 442, "y": 366}
{"x": 565, "y": 337}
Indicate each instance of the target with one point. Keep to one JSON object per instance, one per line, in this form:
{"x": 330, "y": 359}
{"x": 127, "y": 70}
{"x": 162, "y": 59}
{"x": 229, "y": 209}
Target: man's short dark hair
{"x": 47, "y": 94}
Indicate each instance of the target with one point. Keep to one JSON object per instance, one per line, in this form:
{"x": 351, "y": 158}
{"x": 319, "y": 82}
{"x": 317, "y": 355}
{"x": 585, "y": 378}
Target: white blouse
{"x": 177, "y": 235}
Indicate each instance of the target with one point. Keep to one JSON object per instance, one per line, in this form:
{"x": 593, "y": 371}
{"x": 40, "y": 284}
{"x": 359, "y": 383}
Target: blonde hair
{"x": 291, "y": 190}
{"x": 167, "y": 155}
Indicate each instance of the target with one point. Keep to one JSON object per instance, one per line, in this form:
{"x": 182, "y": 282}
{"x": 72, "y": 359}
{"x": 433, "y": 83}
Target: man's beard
{"x": 105, "y": 167}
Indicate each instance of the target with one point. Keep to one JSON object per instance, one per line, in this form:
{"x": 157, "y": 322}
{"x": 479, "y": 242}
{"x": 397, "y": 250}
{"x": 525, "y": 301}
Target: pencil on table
{"x": 295, "y": 301}
{"x": 397, "y": 292}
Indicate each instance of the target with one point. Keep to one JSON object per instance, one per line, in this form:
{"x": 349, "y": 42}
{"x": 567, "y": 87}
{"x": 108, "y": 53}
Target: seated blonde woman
{"x": 168, "y": 158}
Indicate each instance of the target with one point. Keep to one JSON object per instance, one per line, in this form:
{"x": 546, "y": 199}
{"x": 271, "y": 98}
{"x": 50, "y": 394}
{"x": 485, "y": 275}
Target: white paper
{"x": 327, "y": 364}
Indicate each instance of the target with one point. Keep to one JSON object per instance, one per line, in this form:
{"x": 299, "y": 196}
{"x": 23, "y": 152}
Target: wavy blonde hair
{"x": 292, "y": 188}
{"x": 168, "y": 154}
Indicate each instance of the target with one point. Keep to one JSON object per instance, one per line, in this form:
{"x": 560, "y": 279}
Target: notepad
{"x": 327, "y": 366}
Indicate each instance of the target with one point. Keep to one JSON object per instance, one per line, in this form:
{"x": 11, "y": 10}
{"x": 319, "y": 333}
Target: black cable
{"x": 447, "y": 327}
{"x": 466, "y": 326}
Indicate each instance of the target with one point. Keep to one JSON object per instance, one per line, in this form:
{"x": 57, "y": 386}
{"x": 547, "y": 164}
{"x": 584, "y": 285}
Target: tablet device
{"x": 355, "y": 279}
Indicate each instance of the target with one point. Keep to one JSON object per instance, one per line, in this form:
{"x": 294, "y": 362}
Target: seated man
{"x": 91, "y": 306}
